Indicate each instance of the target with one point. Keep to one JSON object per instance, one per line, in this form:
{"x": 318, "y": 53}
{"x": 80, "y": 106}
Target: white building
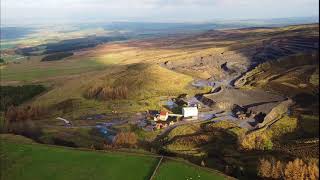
{"x": 190, "y": 112}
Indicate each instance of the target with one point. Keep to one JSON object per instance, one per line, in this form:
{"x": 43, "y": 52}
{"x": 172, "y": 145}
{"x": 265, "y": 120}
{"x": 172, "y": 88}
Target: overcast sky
{"x": 49, "y": 11}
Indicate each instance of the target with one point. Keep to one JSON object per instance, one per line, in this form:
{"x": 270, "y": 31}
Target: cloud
{"x": 152, "y": 10}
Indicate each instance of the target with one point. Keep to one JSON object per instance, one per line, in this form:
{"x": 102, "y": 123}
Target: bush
{"x": 126, "y": 139}
{"x": 192, "y": 140}
{"x": 25, "y": 128}
{"x": 309, "y": 124}
{"x": 18, "y": 120}
{"x": 263, "y": 140}
{"x": 3, "y": 126}
{"x": 16, "y": 114}
{"x": 256, "y": 142}
{"x": 283, "y": 126}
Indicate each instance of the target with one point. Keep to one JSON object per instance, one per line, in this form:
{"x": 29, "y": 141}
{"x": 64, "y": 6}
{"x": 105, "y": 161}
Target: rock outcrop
{"x": 276, "y": 113}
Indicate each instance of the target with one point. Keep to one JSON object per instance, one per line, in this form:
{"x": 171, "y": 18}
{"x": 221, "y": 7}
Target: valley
{"x": 255, "y": 91}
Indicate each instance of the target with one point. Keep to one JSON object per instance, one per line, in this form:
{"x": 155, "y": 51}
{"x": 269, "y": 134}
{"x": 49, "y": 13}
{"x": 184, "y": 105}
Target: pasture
{"x": 41, "y": 162}
{"x": 178, "y": 170}
{"x": 35, "y": 161}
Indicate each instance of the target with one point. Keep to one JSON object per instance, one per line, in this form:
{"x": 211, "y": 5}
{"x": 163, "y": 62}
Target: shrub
{"x": 263, "y": 140}
{"x": 126, "y": 139}
{"x": 309, "y": 124}
{"x": 192, "y": 140}
{"x": 25, "y": 128}
{"x": 16, "y": 114}
{"x": 257, "y": 142}
{"x": 284, "y": 126}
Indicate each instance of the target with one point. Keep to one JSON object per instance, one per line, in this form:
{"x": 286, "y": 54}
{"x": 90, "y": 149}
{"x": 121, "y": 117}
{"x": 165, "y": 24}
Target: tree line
{"x": 293, "y": 170}
{"x": 16, "y": 95}
{"x": 107, "y": 92}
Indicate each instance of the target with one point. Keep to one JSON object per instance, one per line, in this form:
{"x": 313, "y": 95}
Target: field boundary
{"x": 200, "y": 167}
{"x": 130, "y": 153}
{"x": 155, "y": 169}
{"x": 126, "y": 152}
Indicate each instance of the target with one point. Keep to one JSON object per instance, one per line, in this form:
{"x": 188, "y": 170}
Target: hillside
{"x": 254, "y": 92}
{"x": 293, "y": 77}
{"x": 142, "y": 85}
{"x": 197, "y": 54}
{"x": 290, "y": 75}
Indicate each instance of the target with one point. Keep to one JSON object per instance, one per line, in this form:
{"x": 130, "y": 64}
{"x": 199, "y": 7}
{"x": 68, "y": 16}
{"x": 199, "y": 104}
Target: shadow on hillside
{"x": 221, "y": 151}
{"x": 256, "y": 44}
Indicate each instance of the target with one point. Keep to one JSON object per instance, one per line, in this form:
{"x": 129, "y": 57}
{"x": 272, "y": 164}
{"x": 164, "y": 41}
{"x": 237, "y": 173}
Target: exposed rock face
{"x": 238, "y": 110}
{"x": 283, "y": 74}
{"x": 224, "y": 66}
{"x": 259, "y": 117}
{"x": 247, "y": 78}
{"x": 276, "y": 113}
{"x": 224, "y": 106}
{"x": 216, "y": 90}
{"x": 206, "y": 101}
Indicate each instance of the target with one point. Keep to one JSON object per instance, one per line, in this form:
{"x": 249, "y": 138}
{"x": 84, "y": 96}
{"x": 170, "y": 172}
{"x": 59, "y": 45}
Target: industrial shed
{"x": 190, "y": 112}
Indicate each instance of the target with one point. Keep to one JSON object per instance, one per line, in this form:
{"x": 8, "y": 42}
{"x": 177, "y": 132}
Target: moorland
{"x": 256, "y": 90}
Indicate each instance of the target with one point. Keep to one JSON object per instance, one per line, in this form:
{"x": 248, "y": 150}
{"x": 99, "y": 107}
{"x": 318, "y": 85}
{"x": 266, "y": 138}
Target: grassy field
{"x": 180, "y": 171}
{"x": 51, "y": 34}
{"x": 41, "y": 162}
{"x": 35, "y": 70}
{"x": 34, "y": 161}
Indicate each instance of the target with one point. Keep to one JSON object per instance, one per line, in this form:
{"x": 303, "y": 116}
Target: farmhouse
{"x": 189, "y": 112}
{"x": 163, "y": 116}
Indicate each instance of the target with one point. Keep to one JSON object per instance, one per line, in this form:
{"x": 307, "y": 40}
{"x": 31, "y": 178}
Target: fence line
{"x": 155, "y": 170}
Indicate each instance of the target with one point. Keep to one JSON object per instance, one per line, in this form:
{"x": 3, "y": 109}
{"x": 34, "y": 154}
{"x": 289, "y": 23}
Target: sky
{"x": 66, "y": 11}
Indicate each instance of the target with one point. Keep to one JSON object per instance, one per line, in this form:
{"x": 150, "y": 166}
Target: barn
{"x": 190, "y": 112}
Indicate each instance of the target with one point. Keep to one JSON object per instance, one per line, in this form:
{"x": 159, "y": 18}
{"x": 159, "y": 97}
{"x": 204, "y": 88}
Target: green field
{"x": 41, "y": 70}
{"x": 177, "y": 170}
{"x": 41, "y": 162}
{"x": 34, "y": 161}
